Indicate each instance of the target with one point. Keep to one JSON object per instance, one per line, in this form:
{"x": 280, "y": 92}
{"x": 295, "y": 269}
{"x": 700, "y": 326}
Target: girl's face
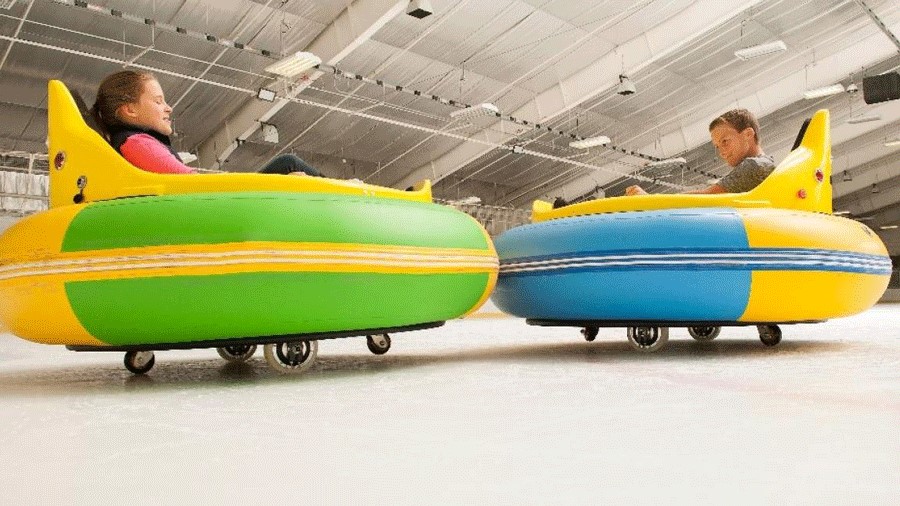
{"x": 150, "y": 111}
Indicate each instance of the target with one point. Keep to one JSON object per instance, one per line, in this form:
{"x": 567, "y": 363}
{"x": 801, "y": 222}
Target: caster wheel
{"x": 139, "y": 362}
{"x": 590, "y": 333}
{"x": 770, "y": 335}
{"x": 648, "y": 339}
{"x": 293, "y": 357}
{"x": 379, "y": 344}
{"x": 704, "y": 333}
{"x": 237, "y": 352}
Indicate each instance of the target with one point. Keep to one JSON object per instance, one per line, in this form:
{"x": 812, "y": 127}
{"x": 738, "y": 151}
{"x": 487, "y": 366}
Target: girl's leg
{"x": 288, "y": 163}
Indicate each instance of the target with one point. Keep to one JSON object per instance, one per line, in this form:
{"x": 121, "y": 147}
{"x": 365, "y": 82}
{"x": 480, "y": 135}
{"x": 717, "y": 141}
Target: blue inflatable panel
{"x": 671, "y": 265}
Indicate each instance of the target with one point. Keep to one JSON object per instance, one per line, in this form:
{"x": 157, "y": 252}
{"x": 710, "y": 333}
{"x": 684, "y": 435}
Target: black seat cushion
{"x": 800, "y": 135}
{"x": 84, "y": 110}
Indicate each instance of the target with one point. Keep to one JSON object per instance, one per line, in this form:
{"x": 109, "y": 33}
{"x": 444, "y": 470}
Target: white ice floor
{"x": 486, "y": 411}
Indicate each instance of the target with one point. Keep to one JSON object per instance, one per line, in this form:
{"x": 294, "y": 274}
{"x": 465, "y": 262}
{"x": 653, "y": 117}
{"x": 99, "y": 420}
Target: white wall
{"x": 7, "y": 221}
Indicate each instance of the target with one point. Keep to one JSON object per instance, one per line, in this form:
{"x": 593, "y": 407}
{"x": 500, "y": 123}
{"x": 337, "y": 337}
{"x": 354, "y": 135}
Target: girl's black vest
{"x": 118, "y": 136}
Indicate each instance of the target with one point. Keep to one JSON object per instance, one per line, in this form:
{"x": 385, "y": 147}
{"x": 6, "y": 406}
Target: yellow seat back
{"x": 85, "y": 168}
{"x": 801, "y": 181}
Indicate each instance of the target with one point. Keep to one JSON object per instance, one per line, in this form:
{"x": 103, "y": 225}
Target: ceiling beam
{"x": 879, "y": 23}
{"x": 353, "y": 26}
{"x": 651, "y": 46}
{"x": 16, "y": 34}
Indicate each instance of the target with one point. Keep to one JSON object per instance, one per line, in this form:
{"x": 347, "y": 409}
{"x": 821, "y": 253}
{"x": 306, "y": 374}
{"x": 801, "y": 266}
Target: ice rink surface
{"x": 485, "y": 411}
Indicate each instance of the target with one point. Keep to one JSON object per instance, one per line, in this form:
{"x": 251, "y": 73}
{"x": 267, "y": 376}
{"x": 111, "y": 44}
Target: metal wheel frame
{"x": 704, "y": 333}
{"x": 381, "y": 346}
{"x": 291, "y": 357}
{"x": 648, "y": 339}
{"x": 590, "y": 333}
{"x": 231, "y": 354}
{"x": 770, "y": 335}
{"x": 139, "y": 362}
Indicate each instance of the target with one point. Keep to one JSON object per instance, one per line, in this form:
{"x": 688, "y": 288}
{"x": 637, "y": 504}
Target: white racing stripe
{"x": 854, "y": 261}
{"x": 694, "y": 257}
{"x": 414, "y": 262}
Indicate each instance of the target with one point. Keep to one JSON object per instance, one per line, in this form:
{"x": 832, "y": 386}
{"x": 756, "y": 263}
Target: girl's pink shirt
{"x": 147, "y": 153}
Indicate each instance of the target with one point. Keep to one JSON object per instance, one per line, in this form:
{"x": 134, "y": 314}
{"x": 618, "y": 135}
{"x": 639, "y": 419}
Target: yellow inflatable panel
{"x": 815, "y": 295}
{"x": 768, "y": 228}
{"x": 26, "y": 302}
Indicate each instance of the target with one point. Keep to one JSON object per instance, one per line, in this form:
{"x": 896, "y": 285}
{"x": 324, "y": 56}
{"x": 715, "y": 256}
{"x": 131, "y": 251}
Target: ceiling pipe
{"x": 349, "y": 112}
{"x": 16, "y": 35}
{"x": 879, "y": 23}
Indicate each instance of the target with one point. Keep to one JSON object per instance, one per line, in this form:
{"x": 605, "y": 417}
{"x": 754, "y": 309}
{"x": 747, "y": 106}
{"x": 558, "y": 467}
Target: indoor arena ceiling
{"x": 552, "y": 68}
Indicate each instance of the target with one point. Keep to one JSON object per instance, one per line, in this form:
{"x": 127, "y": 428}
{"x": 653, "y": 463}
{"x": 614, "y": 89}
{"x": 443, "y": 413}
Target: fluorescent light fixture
{"x": 761, "y": 50}
{"x": 590, "y": 142}
{"x": 294, "y": 64}
{"x": 841, "y": 213}
{"x": 888, "y": 227}
{"x": 666, "y": 163}
{"x": 187, "y": 157}
{"x": 266, "y": 94}
{"x": 864, "y": 118}
{"x": 469, "y": 201}
{"x": 893, "y": 142}
{"x": 824, "y": 91}
{"x": 475, "y": 111}
{"x": 7, "y": 4}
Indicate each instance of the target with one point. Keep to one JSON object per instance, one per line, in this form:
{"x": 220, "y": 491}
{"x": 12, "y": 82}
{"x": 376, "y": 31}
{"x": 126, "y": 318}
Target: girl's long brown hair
{"x": 116, "y": 90}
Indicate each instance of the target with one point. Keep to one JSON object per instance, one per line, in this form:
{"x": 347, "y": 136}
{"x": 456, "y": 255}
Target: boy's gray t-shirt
{"x": 748, "y": 174}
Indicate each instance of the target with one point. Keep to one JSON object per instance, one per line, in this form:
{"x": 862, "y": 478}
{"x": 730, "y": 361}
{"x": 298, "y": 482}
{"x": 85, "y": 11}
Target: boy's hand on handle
{"x": 635, "y": 190}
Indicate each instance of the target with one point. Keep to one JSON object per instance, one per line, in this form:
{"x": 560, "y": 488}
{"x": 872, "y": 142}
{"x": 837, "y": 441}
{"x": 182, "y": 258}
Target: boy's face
{"x": 733, "y": 146}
